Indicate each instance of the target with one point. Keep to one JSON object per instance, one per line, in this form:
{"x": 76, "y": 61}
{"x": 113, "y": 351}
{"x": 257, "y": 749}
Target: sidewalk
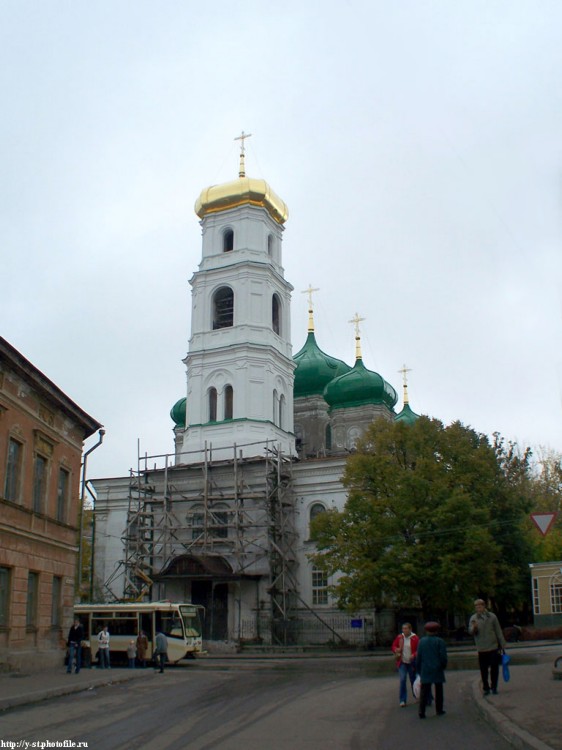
{"x": 21, "y": 689}
{"x": 527, "y": 711}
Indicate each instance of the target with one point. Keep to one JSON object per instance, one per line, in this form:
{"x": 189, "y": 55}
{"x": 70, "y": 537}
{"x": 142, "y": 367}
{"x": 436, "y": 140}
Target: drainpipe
{"x": 101, "y": 433}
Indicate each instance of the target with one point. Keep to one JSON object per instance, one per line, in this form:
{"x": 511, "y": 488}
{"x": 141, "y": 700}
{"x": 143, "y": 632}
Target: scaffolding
{"x": 237, "y": 508}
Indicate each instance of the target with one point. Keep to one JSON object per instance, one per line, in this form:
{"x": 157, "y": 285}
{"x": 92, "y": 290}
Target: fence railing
{"x": 335, "y": 629}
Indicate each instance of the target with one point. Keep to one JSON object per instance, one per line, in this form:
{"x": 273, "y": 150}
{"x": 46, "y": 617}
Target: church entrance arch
{"x": 214, "y": 597}
{"x": 206, "y": 578}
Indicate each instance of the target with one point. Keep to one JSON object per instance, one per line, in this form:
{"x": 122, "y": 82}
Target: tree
{"x": 430, "y": 517}
{"x": 546, "y": 491}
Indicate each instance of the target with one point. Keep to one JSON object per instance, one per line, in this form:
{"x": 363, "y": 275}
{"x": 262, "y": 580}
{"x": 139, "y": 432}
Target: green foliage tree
{"x": 546, "y": 492}
{"x": 434, "y": 516}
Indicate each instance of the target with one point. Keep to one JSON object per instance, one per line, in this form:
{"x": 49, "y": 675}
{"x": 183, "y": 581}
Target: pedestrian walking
{"x": 161, "y": 652}
{"x": 103, "y": 648}
{"x": 484, "y": 626}
{"x": 431, "y": 662}
{"x": 405, "y": 646}
{"x": 74, "y": 643}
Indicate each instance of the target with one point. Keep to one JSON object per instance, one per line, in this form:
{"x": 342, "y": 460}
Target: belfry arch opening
{"x": 228, "y": 241}
{"x": 223, "y": 308}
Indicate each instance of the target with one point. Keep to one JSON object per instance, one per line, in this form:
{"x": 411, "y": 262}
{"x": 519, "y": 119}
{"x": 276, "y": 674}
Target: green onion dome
{"x": 407, "y": 415}
{"x": 315, "y": 369}
{"x": 358, "y": 387}
{"x": 177, "y": 412}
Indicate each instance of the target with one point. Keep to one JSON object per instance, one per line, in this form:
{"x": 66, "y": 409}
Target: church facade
{"x": 260, "y": 444}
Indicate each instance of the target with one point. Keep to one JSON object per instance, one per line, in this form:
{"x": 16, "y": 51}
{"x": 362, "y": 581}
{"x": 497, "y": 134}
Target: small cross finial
{"x": 356, "y": 320}
{"x": 310, "y": 291}
{"x": 242, "y": 137}
{"x": 404, "y": 370}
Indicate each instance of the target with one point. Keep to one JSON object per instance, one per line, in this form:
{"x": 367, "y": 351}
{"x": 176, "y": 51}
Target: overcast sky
{"x": 417, "y": 144}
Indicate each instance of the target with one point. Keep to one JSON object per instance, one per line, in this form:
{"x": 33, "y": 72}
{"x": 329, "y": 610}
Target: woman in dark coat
{"x": 431, "y": 661}
{"x": 142, "y": 648}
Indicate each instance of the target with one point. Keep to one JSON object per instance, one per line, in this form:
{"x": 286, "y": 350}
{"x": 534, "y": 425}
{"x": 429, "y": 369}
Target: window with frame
{"x": 62, "y": 494}
{"x": 228, "y": 241}
{"x": 228, "y": 402}
{"x": 12, "y": 485}
{"x": 223, "y": 308}
{"x": 212, "y": 404}
{"x": 315, "y": 510}
{"x": 275, "y": 406}
{"x": 219, "y": 524}
{"x": 198, "y": 525}
{"x": 536, "y": 597}
{"x": 56, "y": 602}
{"x": 319, "y": 586}
{"x": 32, "y": 600}
{"x": 40, "y": 467}
{"x": 5, "y": 581}
{"x": 276, "y": 314}
{"x": 556, "y": 596}
{"x": 282, "y": 411}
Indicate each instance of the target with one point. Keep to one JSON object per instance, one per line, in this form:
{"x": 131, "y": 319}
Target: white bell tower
{"x": 239, "y": 363}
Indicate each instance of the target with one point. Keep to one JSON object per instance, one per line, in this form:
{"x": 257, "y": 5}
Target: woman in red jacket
{"x": 405, "y": 647}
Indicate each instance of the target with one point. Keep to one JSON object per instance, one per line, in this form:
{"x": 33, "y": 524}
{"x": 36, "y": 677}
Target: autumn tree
{"x": 433, "y": 516}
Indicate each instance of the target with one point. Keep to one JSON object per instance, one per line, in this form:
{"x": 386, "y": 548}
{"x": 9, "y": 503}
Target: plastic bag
{"x": 506, "y": 658}
{"x": 416, "y": 687}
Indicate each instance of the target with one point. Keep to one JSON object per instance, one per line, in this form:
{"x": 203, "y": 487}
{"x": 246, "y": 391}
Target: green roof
{"x": 358, "y": 387}
{"x": 315, "y": 369}
{"x": 407, "y": 415}
{"x": 177, "y": 412}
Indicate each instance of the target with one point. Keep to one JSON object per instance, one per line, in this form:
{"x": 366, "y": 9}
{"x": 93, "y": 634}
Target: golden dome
{"x": 240, "y": 192}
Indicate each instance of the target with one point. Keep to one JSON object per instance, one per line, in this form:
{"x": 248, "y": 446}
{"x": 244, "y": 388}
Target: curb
{"x": 514, "y": 734}
{"x": 37, "y": 696}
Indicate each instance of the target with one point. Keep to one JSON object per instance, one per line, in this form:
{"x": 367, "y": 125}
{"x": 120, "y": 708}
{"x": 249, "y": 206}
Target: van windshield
{"x": 192, "y": 621}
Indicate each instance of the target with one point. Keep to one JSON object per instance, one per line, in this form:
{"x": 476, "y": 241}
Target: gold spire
{"x": 309, "y": 291}
{"x": 356, "y": 320}
{"x": 242, "y": 137}
{"x": 404, "y": 370}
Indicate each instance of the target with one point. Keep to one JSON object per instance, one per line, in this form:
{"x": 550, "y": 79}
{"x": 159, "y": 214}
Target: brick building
{"x": 41, "y": 440}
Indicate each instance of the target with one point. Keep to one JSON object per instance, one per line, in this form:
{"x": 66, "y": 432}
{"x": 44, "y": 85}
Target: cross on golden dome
{"x": 356, "y": 320}
{"x": 242, "y": 137}
{"x": 404, "y": 370}
{"x": 310, "y": 291}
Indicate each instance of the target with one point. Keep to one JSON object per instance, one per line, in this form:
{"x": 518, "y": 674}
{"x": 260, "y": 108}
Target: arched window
{"x": 228, "y": 402}
{"x": 275, "y": 406}
{"x": 228, "y": 241}
{"x": 328, "y": 437}
{"x": 218, "y": 523}
{"x": 212, "y": 404}
{"x": 197, "y": 524}
{"x": 223, "y": 308}
{"x": 315, "y": 510}
{"x": 353, "y": 436}
{"x": 282, "y": 412}
{"x": 276, "y": 314}
{"x": 270, "y": 244}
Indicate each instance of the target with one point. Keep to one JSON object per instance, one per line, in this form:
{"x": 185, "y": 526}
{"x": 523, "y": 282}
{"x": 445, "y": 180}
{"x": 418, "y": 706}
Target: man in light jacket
{"x": 488, "y": 637}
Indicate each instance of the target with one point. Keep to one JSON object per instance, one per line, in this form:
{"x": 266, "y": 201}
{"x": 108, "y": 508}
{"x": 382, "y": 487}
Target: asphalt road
{"x": 290, "y": 705}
